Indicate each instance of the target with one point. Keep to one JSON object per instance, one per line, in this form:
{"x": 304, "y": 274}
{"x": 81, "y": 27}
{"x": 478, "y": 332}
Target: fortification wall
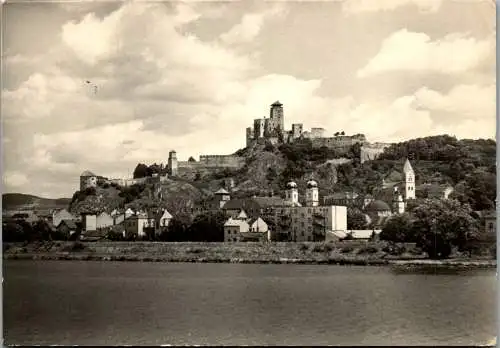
{"x": 339, "y": 141}
{"x": 224, "y": 161}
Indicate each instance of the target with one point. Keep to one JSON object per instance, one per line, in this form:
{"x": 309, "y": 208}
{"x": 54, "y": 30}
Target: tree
{"x": 342, "y": 133}
{"x": 208, "y": 227}
{"x": 175, "y": 232}
{"x": 356, "y": 220}
{"x": 12, "y": 232}
{"x": 141, "y": 171}
{"x": 398, "y": 229}
{"x": 441, "y": 224}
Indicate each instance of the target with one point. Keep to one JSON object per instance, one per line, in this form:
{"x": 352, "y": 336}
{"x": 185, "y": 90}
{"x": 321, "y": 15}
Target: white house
{"x": 104, "y": 220}
{"x": 137, "y": 223}
{"x": 163, "y": 219}
{"x": 233, "y": 229}
{"x": 89, "y": 222}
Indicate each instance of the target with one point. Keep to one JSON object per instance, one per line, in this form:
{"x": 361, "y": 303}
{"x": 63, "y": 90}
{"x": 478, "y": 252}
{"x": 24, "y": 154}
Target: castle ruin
{"x": 272, "y": 130}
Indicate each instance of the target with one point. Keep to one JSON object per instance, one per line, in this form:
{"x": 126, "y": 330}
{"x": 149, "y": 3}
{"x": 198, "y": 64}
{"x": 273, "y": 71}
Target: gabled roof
{"x": 242, "y": 215}
{"x": 235, "y": 223}
{"x": 276, "y": 103}
{"x": 407, "y": 168}
{"x": 221, "y": 191}
{"x": 70, "y": 223}
{"x": 87, "y": 173}
{"x": 164, "y": 214}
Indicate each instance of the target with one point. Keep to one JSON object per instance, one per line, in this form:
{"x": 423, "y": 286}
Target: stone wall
{"x": 342, "y": 141}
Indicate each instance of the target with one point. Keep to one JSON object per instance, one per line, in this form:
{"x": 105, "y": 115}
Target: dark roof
{"x": 70, "y": 223}
{"x": 254, "y": 203}
{"x": 377, "y": 205}
{"x": 276, "y": 103}
{"x": 87, "y": 173}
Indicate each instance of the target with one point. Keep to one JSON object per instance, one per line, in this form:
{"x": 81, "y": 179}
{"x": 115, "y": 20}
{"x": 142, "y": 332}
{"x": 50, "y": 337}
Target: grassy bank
{"x": 343, "y": 253}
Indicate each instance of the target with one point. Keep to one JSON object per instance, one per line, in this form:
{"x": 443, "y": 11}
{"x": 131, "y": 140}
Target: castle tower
{"x": 292, "y": 193}
{"x": 409, "y": 180}
{"x": 296, "y": 130}
{"x": 312, "y": 195}
{"x": 276, "y": 115}
{"x": 172, "y": 163}
{"x": 398, "y": 205}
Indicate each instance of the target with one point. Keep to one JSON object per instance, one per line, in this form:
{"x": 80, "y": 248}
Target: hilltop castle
{"x": 272, "y": 130}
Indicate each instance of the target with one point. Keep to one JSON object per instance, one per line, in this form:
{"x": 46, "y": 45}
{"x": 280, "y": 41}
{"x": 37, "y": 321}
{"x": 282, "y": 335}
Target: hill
{"x": 467, "y": 165}
{"x": 20, "y": 201}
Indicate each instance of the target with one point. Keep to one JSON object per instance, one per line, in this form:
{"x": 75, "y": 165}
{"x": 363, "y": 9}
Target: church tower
{"x": 292, "y": 193}
{"x": 312, "y": 195}
{"x": 409, "y": 180}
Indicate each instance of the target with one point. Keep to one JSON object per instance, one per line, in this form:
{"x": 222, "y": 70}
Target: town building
{"x": 104, "y": 220}
{"x": 62, "y": 214}
{"x": 67, "y": 227}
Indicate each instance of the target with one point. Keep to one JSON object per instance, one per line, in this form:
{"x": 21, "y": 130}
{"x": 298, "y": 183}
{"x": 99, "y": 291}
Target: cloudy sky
{"x": 191, "y": 76}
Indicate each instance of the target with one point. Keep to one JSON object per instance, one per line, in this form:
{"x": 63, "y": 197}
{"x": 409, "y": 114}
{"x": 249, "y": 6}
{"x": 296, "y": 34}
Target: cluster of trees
{"x": 132, "y": 192}
{"x": 23, "y": 231}
{"x": 436, "y": 226}
{"x": 143, "y": 171}
{"x": 444, "y": 148}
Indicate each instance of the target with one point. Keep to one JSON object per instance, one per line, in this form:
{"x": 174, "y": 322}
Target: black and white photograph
{"x": 249, "y": 172}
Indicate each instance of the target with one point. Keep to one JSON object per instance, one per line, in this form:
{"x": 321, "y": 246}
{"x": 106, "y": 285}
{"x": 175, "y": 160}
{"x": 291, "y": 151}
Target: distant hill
{"x": 20, "y": 201}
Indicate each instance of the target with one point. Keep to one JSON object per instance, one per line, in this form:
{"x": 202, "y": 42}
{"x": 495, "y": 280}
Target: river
{"x": 113, "y": 303}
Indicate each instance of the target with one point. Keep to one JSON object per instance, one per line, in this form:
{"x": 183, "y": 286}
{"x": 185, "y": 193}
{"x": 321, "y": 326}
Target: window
{"x": 491, "y": 226}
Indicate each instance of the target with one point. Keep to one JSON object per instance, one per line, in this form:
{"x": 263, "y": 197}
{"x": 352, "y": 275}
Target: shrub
{"x": 347, "y": 249}
{"x": 304, "y": 247}
{"x": 322, "y": 248}
{"x": 368, "y": 250}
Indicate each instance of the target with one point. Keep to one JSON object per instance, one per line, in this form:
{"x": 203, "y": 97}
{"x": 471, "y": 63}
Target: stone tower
{"x": 172, "y": 163}
{"x": 292, "y": 193}
{"x": 409, "y": 180}
{"x": 276, "y": 116}
{"x": 312, "y": 195}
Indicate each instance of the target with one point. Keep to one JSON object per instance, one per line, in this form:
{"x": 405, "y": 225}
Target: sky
{"x": 102, "y": 86}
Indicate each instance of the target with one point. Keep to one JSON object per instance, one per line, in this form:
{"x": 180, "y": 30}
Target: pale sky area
{"x": 191, "y": 76}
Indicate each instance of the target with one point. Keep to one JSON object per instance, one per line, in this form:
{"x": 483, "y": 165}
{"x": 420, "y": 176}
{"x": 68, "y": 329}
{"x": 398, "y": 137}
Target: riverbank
{"x": 402, "y": 257}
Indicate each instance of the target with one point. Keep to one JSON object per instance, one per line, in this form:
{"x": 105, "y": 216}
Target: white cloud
{"x": 469, "y": 101}
{"x": 359, "y": 6}
{"x": 14, "y": 179}
{"x": 251, "y": 25}
{"x": 410, "y": 51}
{"x": 373, "y": 6}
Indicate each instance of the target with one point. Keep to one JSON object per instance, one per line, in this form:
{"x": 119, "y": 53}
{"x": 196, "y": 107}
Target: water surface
{"x": 112, "y": 303}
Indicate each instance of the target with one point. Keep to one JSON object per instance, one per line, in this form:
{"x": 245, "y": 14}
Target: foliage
{"x": 208, "y": 227}
{"x": 143, "y": 171}
{"x": 356, "y": 220}
{"x": 441, "y": 224}
{"x": 132, "y": 192}
{"x": 398, "y": 229}
{"x": 478, "y": 189}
